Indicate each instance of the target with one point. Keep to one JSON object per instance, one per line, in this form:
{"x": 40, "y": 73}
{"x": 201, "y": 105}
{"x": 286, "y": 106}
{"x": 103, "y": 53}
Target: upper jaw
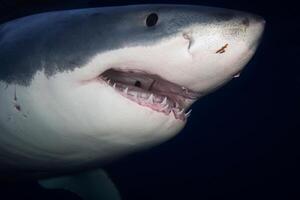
{"x": 151, "y": 91}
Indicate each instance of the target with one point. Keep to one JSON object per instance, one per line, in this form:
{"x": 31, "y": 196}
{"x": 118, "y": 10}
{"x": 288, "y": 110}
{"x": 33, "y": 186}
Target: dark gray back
{"x": 63, "y": 40}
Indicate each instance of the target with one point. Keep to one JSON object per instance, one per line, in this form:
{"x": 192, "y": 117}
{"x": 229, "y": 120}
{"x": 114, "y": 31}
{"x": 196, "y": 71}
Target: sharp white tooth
{"x": 150, "y": 99}
{"x": 188, "y": 114}
{"x": 165, "y": 107}
{"x": 135, "y": 95}
{"x": 114, "y": 86}
{"x": 126, "y": 90}
{"x": 164, "y": 102}
{"x": 176, "y": 105}
{"x": 180, "y": 112}
{"x": 174, "y": 113}
{"x": 108, "y": 81}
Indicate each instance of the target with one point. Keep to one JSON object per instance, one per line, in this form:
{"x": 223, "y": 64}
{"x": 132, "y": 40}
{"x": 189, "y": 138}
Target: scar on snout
{"x": 189, "y": 38}
{"x": 222, "y": 50}
{"x": 18, "y": 107}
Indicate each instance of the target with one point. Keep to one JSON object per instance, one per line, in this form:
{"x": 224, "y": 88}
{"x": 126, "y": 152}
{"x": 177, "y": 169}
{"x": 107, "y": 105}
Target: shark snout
{"x": 219, "y": 49}
{"x": 242, "y": 30}
{"x": 256, "y": 26}
{"x": 246, "y": 27}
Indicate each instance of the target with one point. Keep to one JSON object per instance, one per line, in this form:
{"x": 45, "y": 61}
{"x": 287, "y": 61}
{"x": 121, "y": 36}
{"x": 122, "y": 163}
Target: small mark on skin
{"x": 246, "y": 22}
{"x": 222, "y": 50}
{"x": 15, "y": 95}
{"x": 18, "y": 107}
{"x": 189, "y": 38}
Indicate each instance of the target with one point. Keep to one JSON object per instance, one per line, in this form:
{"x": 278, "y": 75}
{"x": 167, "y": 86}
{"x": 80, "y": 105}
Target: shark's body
{"x": 75, "y": 86}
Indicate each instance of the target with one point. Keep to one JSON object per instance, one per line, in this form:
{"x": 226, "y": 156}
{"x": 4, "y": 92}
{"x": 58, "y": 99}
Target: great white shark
{"x": 82, "y": 87}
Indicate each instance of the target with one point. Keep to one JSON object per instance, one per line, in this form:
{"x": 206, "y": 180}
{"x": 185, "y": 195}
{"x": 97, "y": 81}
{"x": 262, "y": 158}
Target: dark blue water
{"x": 241, "y": 141}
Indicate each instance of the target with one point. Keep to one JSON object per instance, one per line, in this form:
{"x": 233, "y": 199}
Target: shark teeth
{"x": 188, "y": 114}
{"x": 165, "y": 107}
{"x": 150, "y": 99}
{"x": 178, "y": 112}
{"x": 181, "y": 112}
{"x": 164, "y": 102}
{"x": 126, "y": 90}
{"x": 157, "y": 102}
{"x": 135, "y": 95}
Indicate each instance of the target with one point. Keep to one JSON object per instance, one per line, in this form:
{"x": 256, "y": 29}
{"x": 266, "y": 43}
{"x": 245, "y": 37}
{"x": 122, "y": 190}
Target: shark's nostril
{"x": 246, "y": 22}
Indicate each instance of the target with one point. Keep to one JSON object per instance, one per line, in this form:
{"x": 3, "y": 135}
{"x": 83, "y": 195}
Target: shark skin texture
{"x": 79, "y": 88}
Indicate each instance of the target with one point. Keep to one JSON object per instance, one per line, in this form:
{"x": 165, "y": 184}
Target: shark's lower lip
{"x": 151, "y": 91}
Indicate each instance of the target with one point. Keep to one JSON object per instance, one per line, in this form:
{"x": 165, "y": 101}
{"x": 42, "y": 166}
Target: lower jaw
{"x": 158, "y": 107}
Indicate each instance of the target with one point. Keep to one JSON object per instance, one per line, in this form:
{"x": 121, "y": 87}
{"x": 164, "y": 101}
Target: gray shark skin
{"x": 63, "y": 40}
{"x": 59, "y": 113}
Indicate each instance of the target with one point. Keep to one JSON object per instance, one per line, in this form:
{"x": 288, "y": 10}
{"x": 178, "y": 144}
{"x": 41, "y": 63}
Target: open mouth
{"x": 152, "y": 91}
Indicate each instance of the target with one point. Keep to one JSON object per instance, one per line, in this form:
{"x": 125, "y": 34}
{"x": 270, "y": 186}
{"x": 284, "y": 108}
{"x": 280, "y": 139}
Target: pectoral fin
{"x": 92, "y": 185}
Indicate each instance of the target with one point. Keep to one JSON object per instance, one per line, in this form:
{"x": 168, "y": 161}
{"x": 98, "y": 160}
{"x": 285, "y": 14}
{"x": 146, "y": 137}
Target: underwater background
{"x": 241, "y": 141}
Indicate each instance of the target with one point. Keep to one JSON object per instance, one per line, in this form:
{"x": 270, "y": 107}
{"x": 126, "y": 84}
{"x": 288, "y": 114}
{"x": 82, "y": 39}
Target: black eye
{"x": 152, "y": 20}
{"x": 138, "y": 84}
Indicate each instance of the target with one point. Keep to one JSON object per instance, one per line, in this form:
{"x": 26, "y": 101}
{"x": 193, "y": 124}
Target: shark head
{"x": 81, "y": 86}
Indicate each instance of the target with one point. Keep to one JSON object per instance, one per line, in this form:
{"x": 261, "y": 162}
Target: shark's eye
{"x": 137, "y": 84}
{"x": 152, "y": 20}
